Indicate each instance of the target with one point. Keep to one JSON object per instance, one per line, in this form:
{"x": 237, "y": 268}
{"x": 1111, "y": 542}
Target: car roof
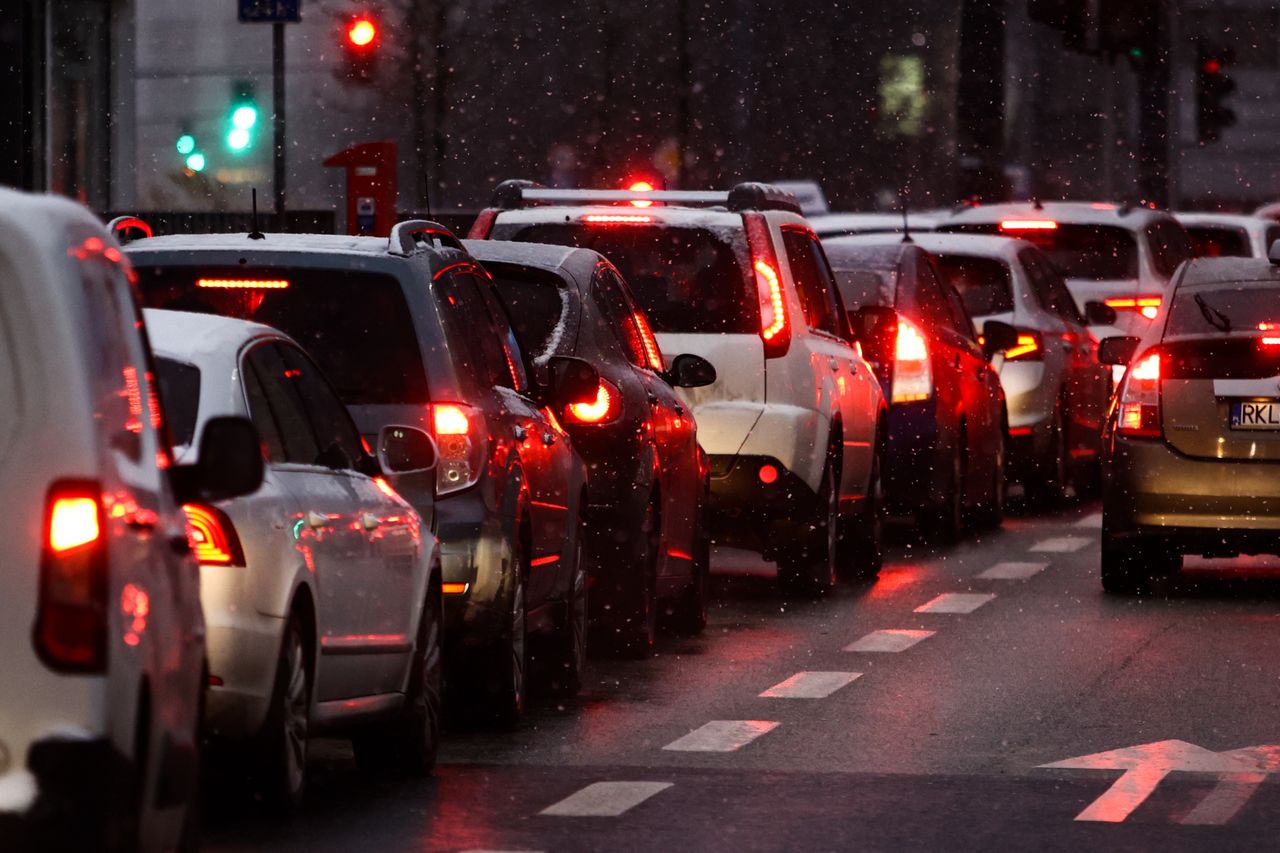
{"x": 663, "y": 215}
{"x": 878, "y": 250}
{"x": 981, "y": 245}
{"x": 309, "y": 243}
{"x": 201, "y": 338}
{"x": 1226, "y": 220}
{"x": 873, "y": 222}
{"x": 579, "y": 263}
{"x": 1213, "y": 271}
{"x": 1069, "y": 212}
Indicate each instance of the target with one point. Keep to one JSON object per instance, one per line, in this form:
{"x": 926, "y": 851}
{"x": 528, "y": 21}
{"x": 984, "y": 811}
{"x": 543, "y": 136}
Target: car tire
{"x": 689, "y": 615}
{"x": 989, "y": 514}
{"x": 944, "y": 522}
{"x": 809, "y": 567}
{"x": 412, "y": 743}
{"x": 861, "y": 554}
{"x": 628, "y": 625}
{"x": 1047, "y": 487}
{"x": 283, "y": 758}
{"x": 569, "y": 655}
{"x": 509, "y": 660}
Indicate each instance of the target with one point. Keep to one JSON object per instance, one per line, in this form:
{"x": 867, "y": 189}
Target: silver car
{"x": 1055, "y": 387}
{"x": 321, "y": 591}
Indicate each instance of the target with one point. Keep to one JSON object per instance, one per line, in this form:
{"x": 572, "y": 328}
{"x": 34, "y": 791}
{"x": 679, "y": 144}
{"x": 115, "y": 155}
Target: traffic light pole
{"x": 277, "y": 119}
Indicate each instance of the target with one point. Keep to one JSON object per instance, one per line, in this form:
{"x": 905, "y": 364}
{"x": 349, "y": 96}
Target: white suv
{"x": 794, "y": 423}
{"x": 100, "y": 626}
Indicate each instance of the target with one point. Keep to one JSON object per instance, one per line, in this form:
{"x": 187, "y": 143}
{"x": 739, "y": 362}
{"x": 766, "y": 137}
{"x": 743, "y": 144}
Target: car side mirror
{"x": 875, "y": 328}
{"x": 1118, "y": 350}
{"x": 997, "y": 337}
{"x": 406, "y": 450}
{"x": 229, "y": 464}
{"x": 690, "y": 371}
{"x": 572, "y": 380}
{"x": 1099, "y": 314}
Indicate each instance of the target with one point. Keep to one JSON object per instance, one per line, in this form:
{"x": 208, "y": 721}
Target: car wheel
{"x": 990, "y": 513}
{"x": 629, "y": 623}
{"x": 690, "y": 612}
{"x": 570, "y": 655}
{"x": 861, "y": 543}
{"x": 809, "y": 567}
{"x": 507, "y": 684}
{"x": 944, "y": 522}
{"x": 1049, "y": 489}
{"x": 412, "y": 743}
{"x": 284, "y": 756}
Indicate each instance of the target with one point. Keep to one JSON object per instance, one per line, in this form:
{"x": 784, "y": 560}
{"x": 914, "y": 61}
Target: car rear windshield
{"x": 686, "y": 279}
{"x": 1090, "y": 252}
{"x": 180, "y": 392}
{"x": 356, "y": 325}
{"x": 983, "y": 283}
{"x": 862, "y": 287}
{"x": 1218, "y": 242}
{"x": 1227, "y": 308}
{"x": 536, "y": 306}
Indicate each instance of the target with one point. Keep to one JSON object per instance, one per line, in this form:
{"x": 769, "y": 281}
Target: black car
{"x": 409, "y": 331}
{"x": 649, "y": 479}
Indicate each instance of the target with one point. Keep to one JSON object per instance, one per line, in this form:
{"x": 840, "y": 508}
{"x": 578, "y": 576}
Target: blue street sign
{"x": 270, "y": 11}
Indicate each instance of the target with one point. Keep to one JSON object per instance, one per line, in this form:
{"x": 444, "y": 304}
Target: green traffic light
{"x": 196, "y": 162}
{"x": 238, "y": 139}
{"x": 244, "y": 117}
{"x": 186, "y": 144}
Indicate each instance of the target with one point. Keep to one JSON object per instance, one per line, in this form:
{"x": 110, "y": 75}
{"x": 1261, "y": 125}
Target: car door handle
{"x": 833, "y": 364}
{"x": 369, "y": 521}
{"x": 520, "y": 433}
{"x": 316, "y": 520}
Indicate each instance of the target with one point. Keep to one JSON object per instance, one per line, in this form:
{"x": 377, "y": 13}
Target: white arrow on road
{"x": 1146, "y": 765}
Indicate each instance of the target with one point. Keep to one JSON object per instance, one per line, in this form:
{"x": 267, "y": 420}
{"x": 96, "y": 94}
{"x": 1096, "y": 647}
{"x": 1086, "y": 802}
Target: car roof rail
{"x": 408, "y": 236}
{"x": 515, "y": 194}
{"x": 122, "y": 225}
{"x": 756, "y": 196}
{"x": 509, "y": 195}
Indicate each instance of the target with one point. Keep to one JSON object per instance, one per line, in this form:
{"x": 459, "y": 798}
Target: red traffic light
{"x": 1212, "y": 66}
{"x": 362, "y": 33}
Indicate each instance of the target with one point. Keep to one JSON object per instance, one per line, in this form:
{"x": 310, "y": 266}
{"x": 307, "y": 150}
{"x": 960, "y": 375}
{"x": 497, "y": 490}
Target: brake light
{"x": 649, "y": 343}
{"x": 1140, "y": 398}
{"x": 1028, "y": 225}
{"x": 212, "y": 536}
{"x": 775, "y": 330}
{"x": 71, "y": 619}
{"x": 1147, "y": 306}
{"x": 242, "y": 283}
{"x": 606, "y": 407}
{"x": 617, "y": 219}
{"x": 641, "y": 187}
{"x": 462, "y": 442}
{"x": 483, "y": 225}
{"x": 912, "y": 372}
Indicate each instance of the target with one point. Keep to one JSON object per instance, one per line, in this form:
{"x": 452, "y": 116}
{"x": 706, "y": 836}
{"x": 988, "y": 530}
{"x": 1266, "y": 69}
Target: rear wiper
{"x": 1213, "y": 316}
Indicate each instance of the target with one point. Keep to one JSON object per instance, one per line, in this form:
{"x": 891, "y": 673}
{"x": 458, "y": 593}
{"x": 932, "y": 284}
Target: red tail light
{"x": 243, "y": 283}
{"x": 71, "y": 622}
{"x": 1147, "y": 306}
{"x": 775, "y": 329}
{"x": 606, "y": 408}
{"x": 483, "y": 225}
{"x": 652, "y": 355}
{"x": 617, "y": 219}
{"x": 1028, "y": 225}
{"x": 212, "y": 536}
{"x": 641, "y": 187}
{"x": 462, "y": 441}
{"x": 912, "y": 371}
{"x": 1140, "y": 398}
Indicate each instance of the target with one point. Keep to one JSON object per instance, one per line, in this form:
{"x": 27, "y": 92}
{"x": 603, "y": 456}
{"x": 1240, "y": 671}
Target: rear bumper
{"x": 915, "y": 446}
{"x": 81, "y": 784}
{"x": 794, "y": 437}
{"x": 746, "y": 511}
{"x": 243, "y": 647}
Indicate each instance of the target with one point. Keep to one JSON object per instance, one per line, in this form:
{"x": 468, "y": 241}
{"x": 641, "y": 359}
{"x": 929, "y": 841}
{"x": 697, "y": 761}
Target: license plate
{"x": 1249, "y": 414}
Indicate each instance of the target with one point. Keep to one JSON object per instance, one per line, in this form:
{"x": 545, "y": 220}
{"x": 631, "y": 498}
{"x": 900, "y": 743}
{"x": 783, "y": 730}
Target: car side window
{"x": 1169, "y": 247}
{"x": 298, "y": 441}
{"x": 506, "y": 335}
{"x": 1049, "y": 287}
{"x": 610, "y": 297}
{"x": 336, "y": 434}
{"x": 815, "y": 294}
{"x": 929, "y": 298}
{"x": 264, "y": 419}
{"x": 1273, "y": 234}
{"x": 471, "y": 330}
{"x": 960, "y": 318}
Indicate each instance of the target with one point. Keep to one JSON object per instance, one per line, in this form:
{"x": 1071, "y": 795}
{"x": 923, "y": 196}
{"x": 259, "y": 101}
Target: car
{"x": 947, "y": 423}
{"x": 649, "y": 480}
{"x": 409, "y": 332}
{"x": 101, "y": 630}
{"x": 1232, "y": 235}
{"x": 849, "y": 224}
{"x": 1193, "y": 434}
{"x": 1119, "y": 254}
{"x": 1055, "y": 390}
{"x": 321, "y": 591}
{"x": 793, "y": 424}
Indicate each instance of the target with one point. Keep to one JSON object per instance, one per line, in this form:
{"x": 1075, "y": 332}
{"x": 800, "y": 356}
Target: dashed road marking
{"x": 605, "y": 799}
{"x": 1013, "y": 571}
{"x": 890, "y": 640}
{"x": 722, "y": 736}
{"x": 1062, "y": 544}
{"x": 810, "y": 685}
{"x": 956, "y": 602}
{"x": 1092, "y": 520}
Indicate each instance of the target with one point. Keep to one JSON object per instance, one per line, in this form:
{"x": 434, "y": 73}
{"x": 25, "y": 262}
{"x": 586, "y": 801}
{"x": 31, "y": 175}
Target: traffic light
{"x": 242, "y": 116}
{"x": 1213, "y": 87}
{"x": 361, "y": 44}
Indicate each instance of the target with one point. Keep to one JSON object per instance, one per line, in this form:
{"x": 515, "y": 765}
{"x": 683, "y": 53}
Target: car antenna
{"x": 1035, "y": 203}
{"x": 426, "y": 192}
{"x": 906, "y": 226}
{"x": 255, "y": 234}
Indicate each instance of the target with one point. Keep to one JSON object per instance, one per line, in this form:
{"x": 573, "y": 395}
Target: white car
{"x": 1229, "y": 235}
{"x": 795, "y": 422}
{"x": 848, "y": 224}
{"x": 321, "y": 591}
{"x": 100, "y": 627}
{"x": 1118, "y": 254}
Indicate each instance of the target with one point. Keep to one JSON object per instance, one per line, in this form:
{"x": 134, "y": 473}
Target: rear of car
{"x": 1225, "y": 235}
{"x": 100, "y": 624}
{"x": 1193, "y": 438}
{"x": 1119, "y": 255}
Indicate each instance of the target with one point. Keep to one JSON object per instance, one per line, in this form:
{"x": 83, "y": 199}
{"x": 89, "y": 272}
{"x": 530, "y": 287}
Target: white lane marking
{"x": 810, "y": 685}
{"x": 1092, "y": 520}
{"x": 605, "y": 799}
{"x": 956, "y": 602}
{"x": 1013, "y": 571}
{"x": 1062, "y": 544}
{"x": 1228, "y": 797}
{"x": 890, "y": 640}
{"x": 722, "y": 736}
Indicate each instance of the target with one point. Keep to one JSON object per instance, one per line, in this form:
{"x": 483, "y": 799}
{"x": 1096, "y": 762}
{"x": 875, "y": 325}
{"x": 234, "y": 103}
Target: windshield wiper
{"x": 1213, "y": 316}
